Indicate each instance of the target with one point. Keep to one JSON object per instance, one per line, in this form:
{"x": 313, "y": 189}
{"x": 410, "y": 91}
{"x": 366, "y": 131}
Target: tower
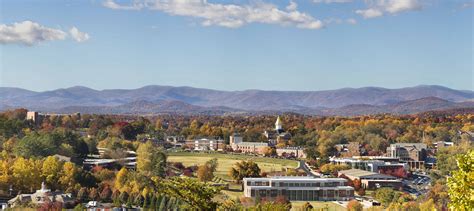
{"x": 278, "y": 125}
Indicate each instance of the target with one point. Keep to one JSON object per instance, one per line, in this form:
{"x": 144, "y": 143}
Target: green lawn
{"x": 326, "y": 206}
{"x": 226, "y": 161}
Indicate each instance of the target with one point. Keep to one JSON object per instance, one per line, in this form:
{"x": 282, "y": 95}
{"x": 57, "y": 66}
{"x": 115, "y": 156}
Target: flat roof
{"x": 284, "y": 178}
{"x": 361, "y": 173}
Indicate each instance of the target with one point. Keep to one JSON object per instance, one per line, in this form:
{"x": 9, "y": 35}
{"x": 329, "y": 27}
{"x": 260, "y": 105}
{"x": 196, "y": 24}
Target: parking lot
{"x": 417, "y": 184}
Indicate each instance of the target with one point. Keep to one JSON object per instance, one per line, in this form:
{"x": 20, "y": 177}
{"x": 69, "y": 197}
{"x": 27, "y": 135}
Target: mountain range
{"x": 188, "y": 100}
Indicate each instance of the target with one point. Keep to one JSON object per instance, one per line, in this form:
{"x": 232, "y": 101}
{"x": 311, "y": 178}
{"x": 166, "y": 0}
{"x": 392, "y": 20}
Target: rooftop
{"x": 365, "y": 174}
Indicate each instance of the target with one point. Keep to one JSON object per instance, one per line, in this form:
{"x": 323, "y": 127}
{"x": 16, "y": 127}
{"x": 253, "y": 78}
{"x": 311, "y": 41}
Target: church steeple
{"x": 278, "y": 125}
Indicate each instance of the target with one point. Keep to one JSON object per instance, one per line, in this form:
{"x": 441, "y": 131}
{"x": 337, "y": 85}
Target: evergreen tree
{"x": 158, "y": 202}
{"x": 171, "y": 203}
{"x": 145, "y": 202}
{"x": 163, "y": 204}
{"x": 153, "y": 202}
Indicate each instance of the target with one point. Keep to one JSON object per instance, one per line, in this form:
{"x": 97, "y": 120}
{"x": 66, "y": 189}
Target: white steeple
{"x": 278, "y": 125}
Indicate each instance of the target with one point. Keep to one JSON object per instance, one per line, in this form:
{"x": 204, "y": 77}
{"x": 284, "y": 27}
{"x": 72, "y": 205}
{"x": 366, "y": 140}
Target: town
{"x": 54, "y": 161}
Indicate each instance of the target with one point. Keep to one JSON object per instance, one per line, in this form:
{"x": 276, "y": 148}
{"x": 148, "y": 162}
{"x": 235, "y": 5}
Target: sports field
{"x": 226, "y": 161}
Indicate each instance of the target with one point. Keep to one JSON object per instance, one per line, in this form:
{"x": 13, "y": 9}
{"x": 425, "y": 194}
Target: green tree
{"x": 51, "y": 171}
{"x": 461, "y": 183}
{"x": 163, "y": 203}
{"x": 197, "y": 194}
{"x": 244, "y": 169}
{"x": 151, "y": 160}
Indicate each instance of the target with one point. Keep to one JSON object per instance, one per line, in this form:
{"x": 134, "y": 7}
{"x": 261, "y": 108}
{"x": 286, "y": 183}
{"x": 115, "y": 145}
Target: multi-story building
{"x": 298, "y": 188}
{"x": 205, "y": 144}
{"x": 295, "y": 152}
{"x": 238, "y": 145}
{"x": 412, "y": 153}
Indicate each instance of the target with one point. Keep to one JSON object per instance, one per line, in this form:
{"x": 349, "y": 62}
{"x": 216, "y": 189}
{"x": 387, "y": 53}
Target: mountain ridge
{"x": 188, "y": 99}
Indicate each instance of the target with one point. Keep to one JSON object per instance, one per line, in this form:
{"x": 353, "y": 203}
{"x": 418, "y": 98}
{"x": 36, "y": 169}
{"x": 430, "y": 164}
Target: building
{"x": 205, "y": 144}
{"x": 278, "y": 134}
{"x": 372, "y": 180}
{"x": 298, "y": 188}
{"x": 414, "y": 154}
{"x": 238, "y": 145}
{"x": 291, "y": 152}
{"x": 378, "y": 166}
{"x": 41, "y": 196}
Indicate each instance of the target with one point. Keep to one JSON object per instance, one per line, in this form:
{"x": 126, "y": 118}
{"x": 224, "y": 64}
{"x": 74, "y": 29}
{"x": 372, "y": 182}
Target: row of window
{"x": 303, "y": 195}
{"x": 296, "y": 184}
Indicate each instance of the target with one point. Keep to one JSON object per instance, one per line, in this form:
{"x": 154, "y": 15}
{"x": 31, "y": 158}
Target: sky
{"x": 236, "y": 44}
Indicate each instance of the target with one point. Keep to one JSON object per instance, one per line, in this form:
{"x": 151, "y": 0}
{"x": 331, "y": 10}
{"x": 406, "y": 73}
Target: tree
{"x": 461, "y": 182}
{"x": 244, "y": 169}
{"x": 197, "y": 194}
{"x": 123, "y": 197}
{"x": 93, "y": 194}
{"x": 204, "y": 173}
{"x": 268, "y": 151}
{"x": 354, "y": 205}
{"x": 385, "y": 195}
{"x": 213, "y": 164}
{"x": 307, "y": 206}
{"x": 428, "y": 205}
{"x": 26, "y": 174}
{"x": 106, "y": 194}
{"x": 151, "y": 160}
{"x": 51, "y": 171}
{"x": 163, "y": 203}
{"x": 67, "y": 175}
{"x": 82, "y": 194}
{"x": 121, "y": 179}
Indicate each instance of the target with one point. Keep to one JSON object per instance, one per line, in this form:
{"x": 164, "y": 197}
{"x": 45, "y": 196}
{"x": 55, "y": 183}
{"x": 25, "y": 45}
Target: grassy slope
{"x": 226, "y": 161}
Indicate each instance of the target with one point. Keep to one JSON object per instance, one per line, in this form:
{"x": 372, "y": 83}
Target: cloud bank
{"x": 227, "y": 15}
{"x": 30, "y": 33}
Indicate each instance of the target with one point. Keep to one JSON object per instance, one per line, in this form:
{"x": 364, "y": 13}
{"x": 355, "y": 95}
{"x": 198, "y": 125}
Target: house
{"x": 298, "y": 188}
{"x": 40, "y": 197}
{"x": 371, "y": 180}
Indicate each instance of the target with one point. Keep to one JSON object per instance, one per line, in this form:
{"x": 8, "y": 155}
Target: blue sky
{"x": 236, "y": 44}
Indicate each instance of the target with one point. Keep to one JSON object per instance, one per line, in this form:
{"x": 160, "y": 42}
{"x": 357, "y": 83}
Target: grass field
{"x": 326, "y": 206}
{"x": 226, "y": 161}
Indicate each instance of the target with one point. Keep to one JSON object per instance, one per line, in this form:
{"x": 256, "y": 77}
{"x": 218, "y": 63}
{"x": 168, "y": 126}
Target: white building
{"x": 298, "y": 188}
{"x": 40, "y": 197}
{"x": 237, "y": 144}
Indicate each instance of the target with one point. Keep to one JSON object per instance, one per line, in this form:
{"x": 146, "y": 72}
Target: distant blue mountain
{"x": 168, "y": 99}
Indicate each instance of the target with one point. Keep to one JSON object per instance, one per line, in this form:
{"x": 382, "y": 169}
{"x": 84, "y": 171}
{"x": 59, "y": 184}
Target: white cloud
{"x": 29, "y": 33}
{"x": 227, "y": 15}
{"x": 292, "y": 6}
{"x": 351, "y": 21}
{"x": 370, "y": 13}
{"x": 112, "y": 5}
{"x": 332, "y": 1}
{"x": 467, "y": 5}
{"x": 378, "y": 8}
{"x": 396, "y": 6}
{"x": 77, "y": 35}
